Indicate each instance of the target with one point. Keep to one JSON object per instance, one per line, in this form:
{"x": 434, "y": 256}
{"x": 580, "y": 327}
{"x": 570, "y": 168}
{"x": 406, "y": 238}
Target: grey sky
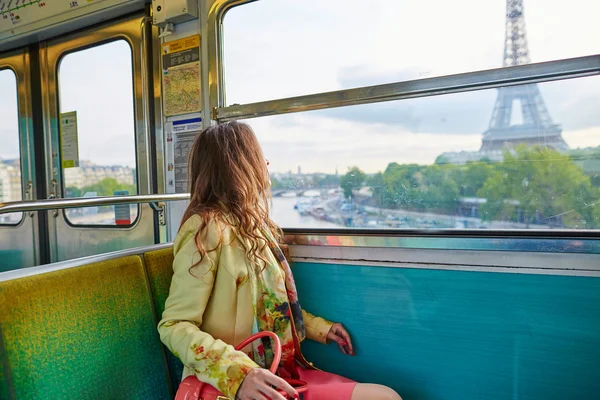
{"x": 97, "y": 83}
{"x": 280, "y": 48}
{"x": 9, "y": 141}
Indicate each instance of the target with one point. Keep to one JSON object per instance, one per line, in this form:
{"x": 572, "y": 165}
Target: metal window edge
{"x": 78, "y": 262}
{"x": 465, "y": 82}
{"x": 450, "y": 259}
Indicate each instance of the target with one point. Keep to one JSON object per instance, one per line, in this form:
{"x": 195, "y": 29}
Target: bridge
{"x": 291, "y": 192}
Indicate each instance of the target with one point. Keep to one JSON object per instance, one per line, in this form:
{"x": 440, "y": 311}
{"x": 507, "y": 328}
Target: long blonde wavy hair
{"x": 230, "y": 184}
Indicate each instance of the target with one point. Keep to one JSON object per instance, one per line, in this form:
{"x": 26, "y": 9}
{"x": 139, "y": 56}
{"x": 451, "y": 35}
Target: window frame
{"x": 113, "y": 39}
{"x": 540, "y": 72}
{"x": 8, "y": 67}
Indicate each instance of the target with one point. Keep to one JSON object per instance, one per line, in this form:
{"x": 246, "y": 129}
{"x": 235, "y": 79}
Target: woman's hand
{"x": 259, "y": 384}
{"x": 339, "y": 335}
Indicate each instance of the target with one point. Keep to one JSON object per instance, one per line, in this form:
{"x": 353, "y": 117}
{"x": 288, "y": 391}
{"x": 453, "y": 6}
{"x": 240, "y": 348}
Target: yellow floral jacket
{"x": 209, "y": 308}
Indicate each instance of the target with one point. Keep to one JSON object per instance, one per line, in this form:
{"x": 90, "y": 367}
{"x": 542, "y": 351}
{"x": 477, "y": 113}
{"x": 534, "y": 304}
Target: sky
{"x": 97, "y": 83}
{"x": 281, "y": 48}
{"x": 9, "y": 139}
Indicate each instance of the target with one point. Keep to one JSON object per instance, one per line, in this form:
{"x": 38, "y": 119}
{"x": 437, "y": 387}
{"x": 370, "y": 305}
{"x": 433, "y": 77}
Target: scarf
{"x": 276, "y": 307}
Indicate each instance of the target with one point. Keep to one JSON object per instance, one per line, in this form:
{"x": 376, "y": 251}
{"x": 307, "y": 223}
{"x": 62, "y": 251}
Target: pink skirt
{"x": 326, "y": 386}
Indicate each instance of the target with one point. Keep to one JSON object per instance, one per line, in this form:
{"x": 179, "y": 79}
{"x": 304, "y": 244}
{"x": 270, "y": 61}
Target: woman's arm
{"x": 317, "y": 328}
{"x": 323, "y": 331}
{"x": 213, "y": 361}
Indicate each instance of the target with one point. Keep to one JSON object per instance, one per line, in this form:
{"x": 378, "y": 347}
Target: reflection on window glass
{"x": 442, "y": 162}
{"x": 281, "y": 48}
{"x": 97, "y": 84}
{"x": 10, "y": 165}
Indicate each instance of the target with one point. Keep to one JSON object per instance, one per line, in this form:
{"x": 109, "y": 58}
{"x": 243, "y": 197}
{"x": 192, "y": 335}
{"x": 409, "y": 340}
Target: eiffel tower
{"x": 537, "y": 127}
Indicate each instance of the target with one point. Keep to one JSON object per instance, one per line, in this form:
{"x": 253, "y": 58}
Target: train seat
{"x": 159, "y": 264}
{"x": 81, "y": 332}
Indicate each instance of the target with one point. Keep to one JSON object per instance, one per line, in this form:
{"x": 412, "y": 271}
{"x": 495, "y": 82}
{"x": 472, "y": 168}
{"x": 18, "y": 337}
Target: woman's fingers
{"x": 262, "y": 384}
{"x": 282, "y": 385}
{"x": 347, "y": 339}
{"x": 342, "y": 338}
{"x": 271, "y": 393}
{"x": 340, "y": 342}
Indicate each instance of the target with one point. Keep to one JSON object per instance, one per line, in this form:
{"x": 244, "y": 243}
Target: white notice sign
{"x": 69, "y": 145}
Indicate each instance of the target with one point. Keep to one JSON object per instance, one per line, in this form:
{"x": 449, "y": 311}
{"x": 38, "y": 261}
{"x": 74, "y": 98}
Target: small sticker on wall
{"x": 69, "y": 142}
{"x": 122, "y": 211}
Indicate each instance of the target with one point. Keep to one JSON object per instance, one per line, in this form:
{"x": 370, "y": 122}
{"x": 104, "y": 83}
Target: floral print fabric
{"x": 200, "y": 330}
{"x": 276, "y": 306}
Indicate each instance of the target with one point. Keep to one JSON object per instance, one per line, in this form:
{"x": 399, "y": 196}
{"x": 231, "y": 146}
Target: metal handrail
{"x": 55, "y": 204}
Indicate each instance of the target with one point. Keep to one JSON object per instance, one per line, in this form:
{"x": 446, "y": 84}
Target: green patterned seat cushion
{"x": 159, "y": 265}
{"x": 84, "y": 332}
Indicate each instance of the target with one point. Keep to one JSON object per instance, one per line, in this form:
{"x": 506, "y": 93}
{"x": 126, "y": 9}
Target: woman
{"x": 231, "y": 280}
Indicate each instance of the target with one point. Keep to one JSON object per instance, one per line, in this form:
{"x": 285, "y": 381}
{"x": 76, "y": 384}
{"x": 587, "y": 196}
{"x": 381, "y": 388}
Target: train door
{"x": 18, "y": 243}
{"x": 98, "y": 115}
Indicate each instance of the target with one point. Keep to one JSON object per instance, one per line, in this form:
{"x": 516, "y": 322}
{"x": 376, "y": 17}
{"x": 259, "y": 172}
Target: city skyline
{"x": 87, "y": 174}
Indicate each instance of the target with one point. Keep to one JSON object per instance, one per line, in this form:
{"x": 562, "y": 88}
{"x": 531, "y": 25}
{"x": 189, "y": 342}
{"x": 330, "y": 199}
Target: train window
{"x": 442, "y": 162}
{"x": 282, "y": 48}
{"x": 10, "y": 165}
{"x": 97, "y": 85}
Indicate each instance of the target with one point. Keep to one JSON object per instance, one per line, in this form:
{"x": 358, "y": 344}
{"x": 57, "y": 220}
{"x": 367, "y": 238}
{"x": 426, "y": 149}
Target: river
{"x": 284, "y": 214}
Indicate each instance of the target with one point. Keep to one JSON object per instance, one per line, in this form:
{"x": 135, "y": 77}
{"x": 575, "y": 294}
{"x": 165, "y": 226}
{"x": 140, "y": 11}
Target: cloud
{"x": 582, "y": 138}
{"x": 9, "y": 122}
{"x": 105, "y": 110}
{"x": 410, "y": 131}
{"x": 468, "y": 113}
{"x": 271, "y": 54}
{"x": 277, "y": 48}
{"x": 571, "y": 103}
{"x": 322, "y": 144}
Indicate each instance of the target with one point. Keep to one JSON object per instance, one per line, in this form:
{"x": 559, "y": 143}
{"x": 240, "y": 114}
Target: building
{"x": 88, "y": 174}
{"x": 10, "y": 181}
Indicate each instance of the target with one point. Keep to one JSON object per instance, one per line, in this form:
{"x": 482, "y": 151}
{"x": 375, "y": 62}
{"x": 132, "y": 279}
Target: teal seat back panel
{"x": 159, "y": 265}
{"x": 82, "y": 333}
{"x": 458, "y": 335}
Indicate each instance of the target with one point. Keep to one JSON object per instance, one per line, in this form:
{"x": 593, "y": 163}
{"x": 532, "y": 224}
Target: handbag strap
{"x": 191, "y": 388}
{"x": 276, "y": 350}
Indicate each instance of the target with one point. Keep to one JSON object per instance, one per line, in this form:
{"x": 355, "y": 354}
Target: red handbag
{"x": 193, "y": 389}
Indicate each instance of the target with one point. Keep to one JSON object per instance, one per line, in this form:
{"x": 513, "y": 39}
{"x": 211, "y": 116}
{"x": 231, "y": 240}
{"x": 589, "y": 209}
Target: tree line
{"x": 532, "y": 185}
{"x": 105, "y": 187}
{"x": 305, "y": 182}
